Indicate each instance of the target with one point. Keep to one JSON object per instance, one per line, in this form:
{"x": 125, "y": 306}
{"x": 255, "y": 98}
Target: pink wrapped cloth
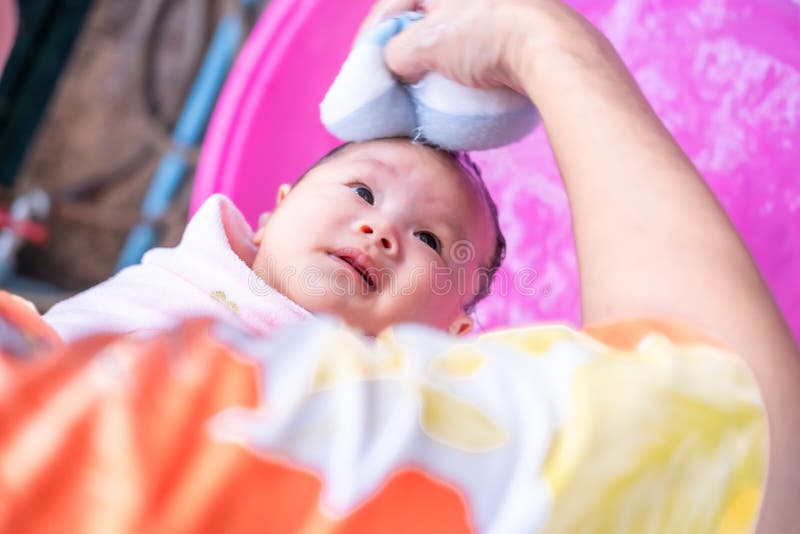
{"x": 207, "y": 274}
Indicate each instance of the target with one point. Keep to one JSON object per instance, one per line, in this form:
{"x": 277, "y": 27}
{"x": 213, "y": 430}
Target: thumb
{"x": 412, "y": 53}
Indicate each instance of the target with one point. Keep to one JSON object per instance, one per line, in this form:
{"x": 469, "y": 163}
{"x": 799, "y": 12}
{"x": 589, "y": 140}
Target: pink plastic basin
{"x": 723, "y": 75}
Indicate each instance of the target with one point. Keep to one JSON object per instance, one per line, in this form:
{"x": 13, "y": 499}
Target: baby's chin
{"x": 363, "y": 321}
{"x": 371, "y": 329}
{"x": 361, "y": 315}
{"x": 369, "y": 312}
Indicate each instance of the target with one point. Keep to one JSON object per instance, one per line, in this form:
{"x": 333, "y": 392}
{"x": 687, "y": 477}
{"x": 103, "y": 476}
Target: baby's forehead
{"x": 421, "y": 169}
{"x": 412, "y": 160}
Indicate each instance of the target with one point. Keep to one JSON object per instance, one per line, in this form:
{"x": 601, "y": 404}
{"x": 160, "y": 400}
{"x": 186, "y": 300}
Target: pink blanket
{"x": 207, "y": 274}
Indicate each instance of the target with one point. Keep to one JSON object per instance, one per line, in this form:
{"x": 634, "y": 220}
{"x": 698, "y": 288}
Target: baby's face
{"x": 382, "y": 233}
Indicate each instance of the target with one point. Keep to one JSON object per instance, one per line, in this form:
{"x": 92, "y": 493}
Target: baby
{"x": 377, "y": 233}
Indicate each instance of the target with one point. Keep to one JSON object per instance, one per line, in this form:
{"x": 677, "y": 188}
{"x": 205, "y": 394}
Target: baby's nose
{"x": 380, "y": 235}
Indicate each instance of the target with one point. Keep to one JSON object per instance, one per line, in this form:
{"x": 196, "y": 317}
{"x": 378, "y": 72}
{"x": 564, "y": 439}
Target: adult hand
{"x": 481, "y": 43}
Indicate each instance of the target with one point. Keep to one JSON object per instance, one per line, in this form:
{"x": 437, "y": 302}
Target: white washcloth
{"x": 207, "y": 274}
{"x": 367, "y": 101}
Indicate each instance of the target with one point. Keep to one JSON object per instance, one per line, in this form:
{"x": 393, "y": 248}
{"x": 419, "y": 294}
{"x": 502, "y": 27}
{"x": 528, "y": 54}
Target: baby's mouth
{"x": 360, "y": 263}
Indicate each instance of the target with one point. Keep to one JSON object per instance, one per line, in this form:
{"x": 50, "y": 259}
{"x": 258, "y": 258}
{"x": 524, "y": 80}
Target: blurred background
{"x": 89, "y": 104}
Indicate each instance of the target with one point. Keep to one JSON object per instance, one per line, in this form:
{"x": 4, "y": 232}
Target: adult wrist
{"x": 550, "y": 42}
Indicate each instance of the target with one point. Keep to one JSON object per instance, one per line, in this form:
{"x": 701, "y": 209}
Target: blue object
{"x": 367, "y": 102}
{"x": 188, "y": 132}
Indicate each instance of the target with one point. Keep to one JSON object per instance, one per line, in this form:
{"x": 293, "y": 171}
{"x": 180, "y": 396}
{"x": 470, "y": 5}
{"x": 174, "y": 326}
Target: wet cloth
{"x": 367, "y": 102}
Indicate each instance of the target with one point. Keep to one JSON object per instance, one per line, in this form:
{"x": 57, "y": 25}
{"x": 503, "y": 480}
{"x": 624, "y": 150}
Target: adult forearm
{"x": 653, "y": 241}
{"x": 649, "y": 231}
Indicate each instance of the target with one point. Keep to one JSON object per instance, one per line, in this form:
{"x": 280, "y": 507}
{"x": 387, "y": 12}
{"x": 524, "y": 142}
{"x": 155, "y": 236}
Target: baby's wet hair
{"x": 499, "y": 253}
{"x": 465, "y": 163}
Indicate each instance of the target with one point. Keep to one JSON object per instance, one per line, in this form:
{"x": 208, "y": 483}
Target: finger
{"x": 383, "y": 9}
{"x": 411, "y": 53}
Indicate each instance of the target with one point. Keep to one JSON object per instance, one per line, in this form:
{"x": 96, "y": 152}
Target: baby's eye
{"x": 430, "y": 240}
{"x": 364, "y": 192}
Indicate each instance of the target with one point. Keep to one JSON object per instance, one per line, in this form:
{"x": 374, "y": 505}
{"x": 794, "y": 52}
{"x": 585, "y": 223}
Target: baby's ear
{"x": 258, "y": 237}
{"x": 461, "y": 325}
{"x": 283, "y": 190}
{"x": 262, "y": 224}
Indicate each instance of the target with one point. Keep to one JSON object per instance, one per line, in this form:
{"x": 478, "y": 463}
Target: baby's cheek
{"x": 401, "y": 304}
{"x": 436, "y": 295}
